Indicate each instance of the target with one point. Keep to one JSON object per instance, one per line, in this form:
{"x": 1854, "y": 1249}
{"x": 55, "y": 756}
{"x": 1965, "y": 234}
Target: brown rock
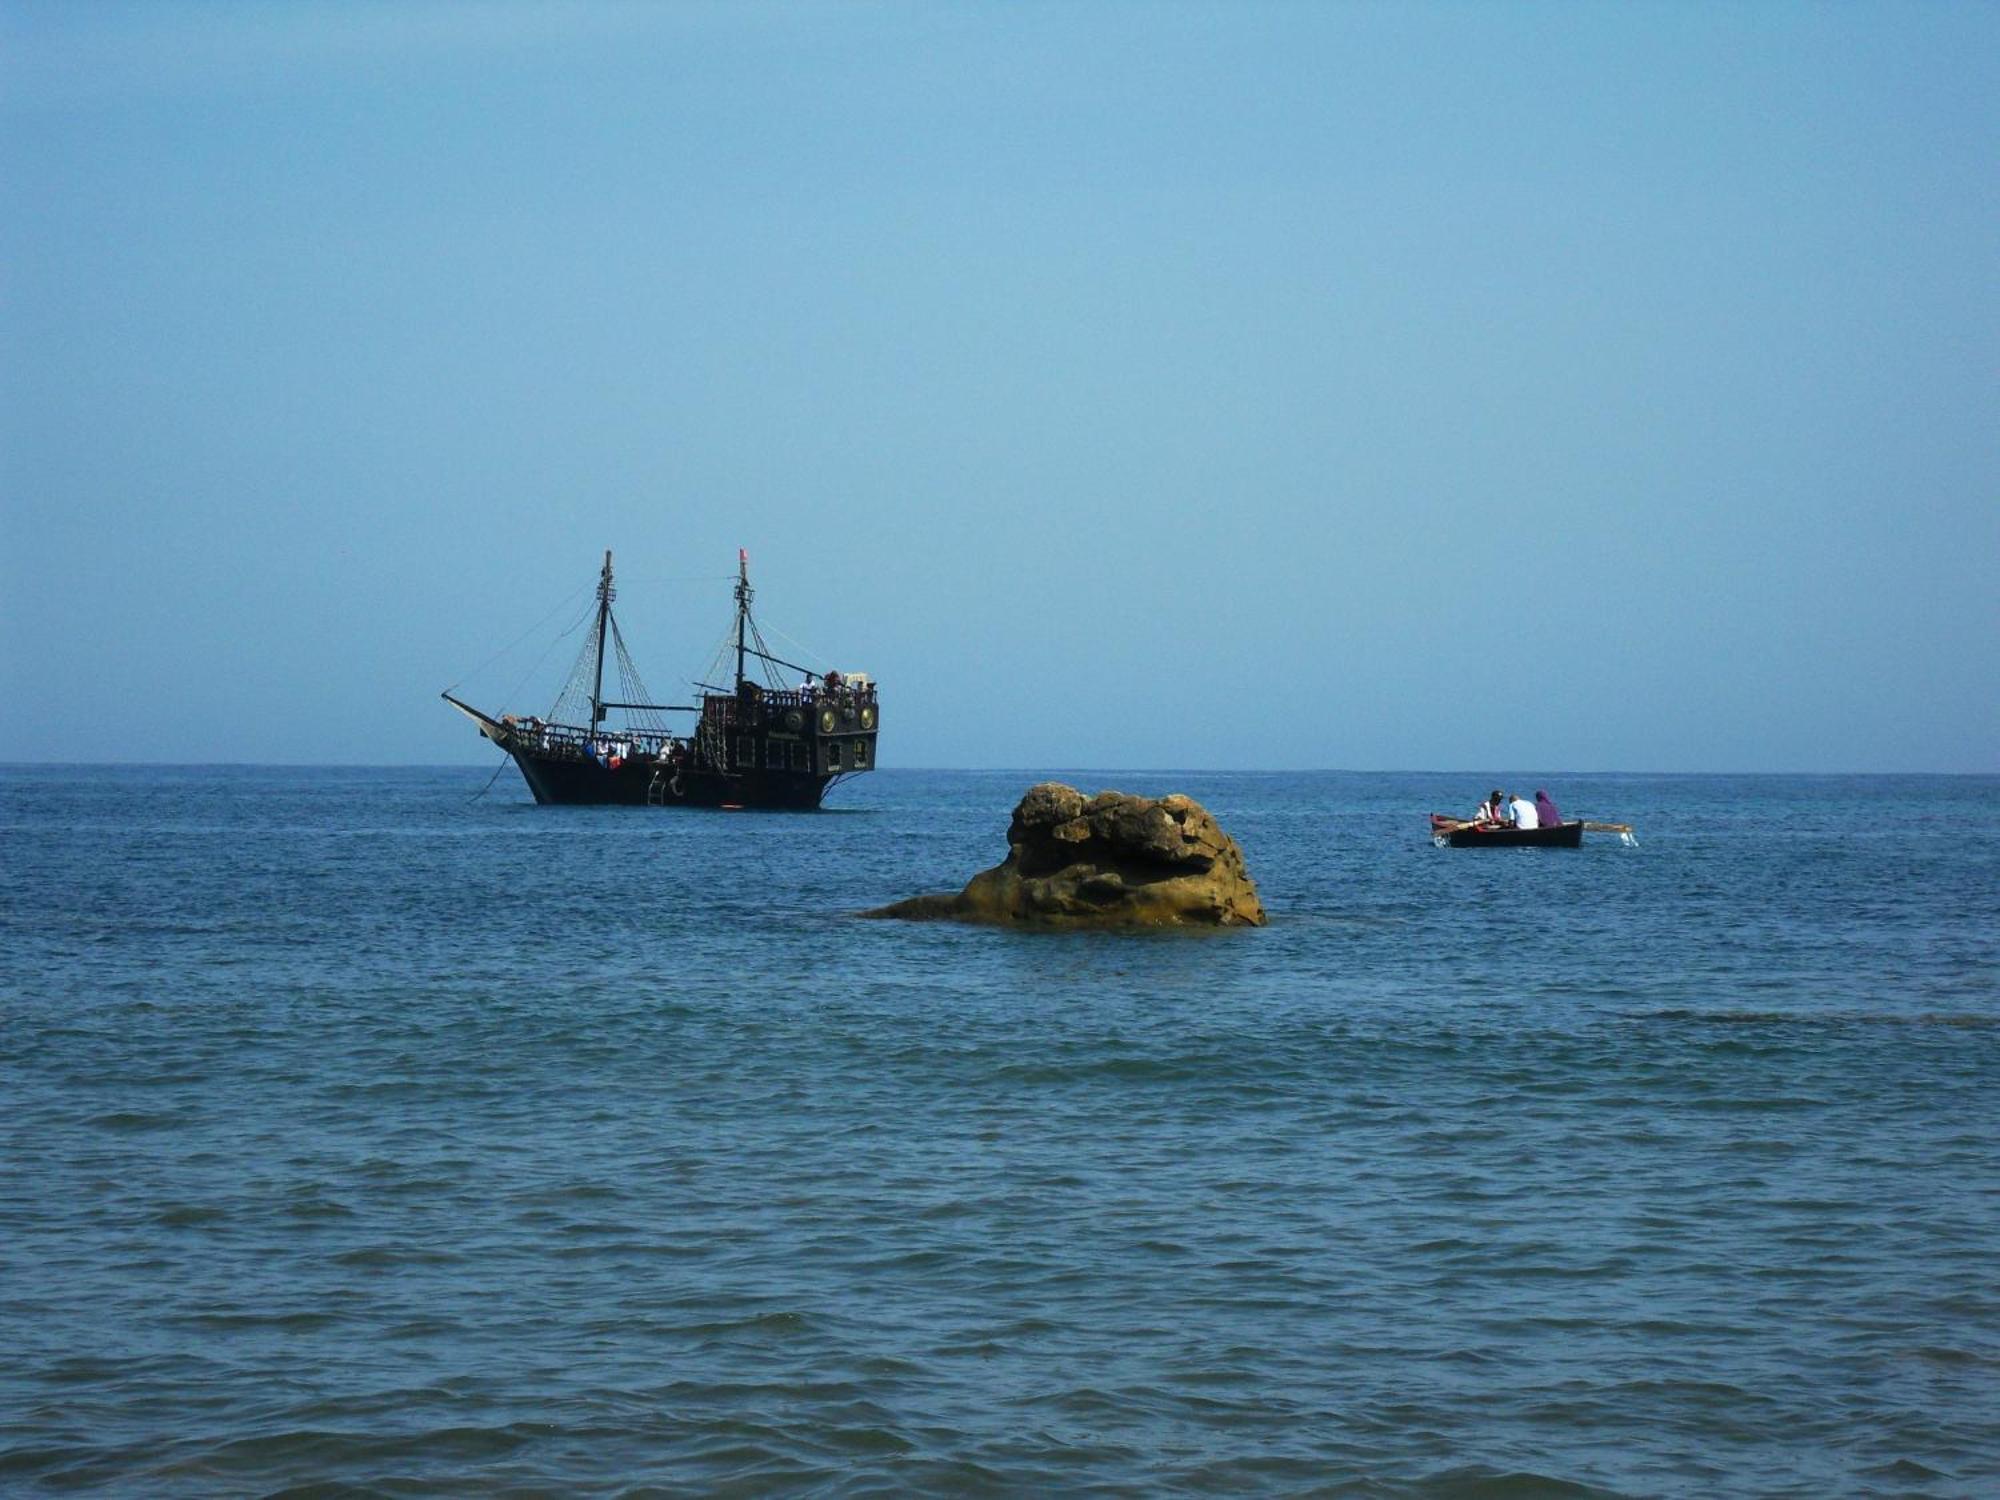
{"x": 1106, "y": 861}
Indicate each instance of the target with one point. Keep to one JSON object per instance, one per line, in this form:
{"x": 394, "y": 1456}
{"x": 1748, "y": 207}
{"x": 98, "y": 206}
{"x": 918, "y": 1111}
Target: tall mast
{"x": 742, "y": 607}
{"x": 605, "y": 594}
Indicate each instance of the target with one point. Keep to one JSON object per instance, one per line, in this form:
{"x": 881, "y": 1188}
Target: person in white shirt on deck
{"x": 1524, "y": 813}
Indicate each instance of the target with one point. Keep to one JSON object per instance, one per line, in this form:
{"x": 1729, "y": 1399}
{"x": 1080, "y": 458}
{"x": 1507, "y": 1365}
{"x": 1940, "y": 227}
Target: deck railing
{"x": 718, "y": 711}
{"x": 569, "y": 742}
{"x": 727, "y": 708}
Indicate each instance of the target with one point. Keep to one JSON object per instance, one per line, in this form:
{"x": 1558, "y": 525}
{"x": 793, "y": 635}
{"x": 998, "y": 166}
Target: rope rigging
{"x": 633, "y": 688}
{"x": 720, "y": 665}
{"x": 763, "y": 655}
{"x": 573, "y": 702}
{"x": 536, "y": 665}
{"x": 560, "y": 603}
{"x": 801, "y": 647}
{"x": 586, "y": 700}
{"x": 572, "y": 705}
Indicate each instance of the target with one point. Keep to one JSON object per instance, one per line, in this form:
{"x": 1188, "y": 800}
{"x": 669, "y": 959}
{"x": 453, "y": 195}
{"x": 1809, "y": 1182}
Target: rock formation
{"x": 1106, "y": 861}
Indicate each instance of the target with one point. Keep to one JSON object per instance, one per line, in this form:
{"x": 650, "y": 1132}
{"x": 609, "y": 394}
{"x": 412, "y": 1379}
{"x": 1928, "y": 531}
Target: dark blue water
{"x": 362, "y": 1138}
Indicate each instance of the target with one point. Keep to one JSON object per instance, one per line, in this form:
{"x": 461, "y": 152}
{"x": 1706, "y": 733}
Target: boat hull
{"x": 1462, "y": 835}
{"x": 569, "y": 781}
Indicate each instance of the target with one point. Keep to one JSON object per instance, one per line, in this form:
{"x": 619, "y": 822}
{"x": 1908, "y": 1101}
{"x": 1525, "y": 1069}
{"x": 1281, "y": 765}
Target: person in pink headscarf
{"x": 1546, "y": 813}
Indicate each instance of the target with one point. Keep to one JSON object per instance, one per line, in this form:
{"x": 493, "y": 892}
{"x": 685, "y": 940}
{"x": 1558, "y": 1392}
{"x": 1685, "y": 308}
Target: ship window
{"x": 746, "y": 752}
{"x": 860, "y": 754}
{"x": 801, "y": 758}
{"x": 833, "y": 757}
{"x": 774, "y": 755}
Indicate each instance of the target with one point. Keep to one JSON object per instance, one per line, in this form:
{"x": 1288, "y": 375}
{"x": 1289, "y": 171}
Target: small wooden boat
{"x": 1458, "y": 833}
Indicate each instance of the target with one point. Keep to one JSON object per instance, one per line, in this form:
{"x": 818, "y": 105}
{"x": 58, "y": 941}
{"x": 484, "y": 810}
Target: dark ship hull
{"x": 570, "y": 783}
{"x": 760, "y": 745}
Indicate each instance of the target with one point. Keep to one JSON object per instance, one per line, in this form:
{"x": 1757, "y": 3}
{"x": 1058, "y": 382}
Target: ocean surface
{"x": 360, "y": 1135}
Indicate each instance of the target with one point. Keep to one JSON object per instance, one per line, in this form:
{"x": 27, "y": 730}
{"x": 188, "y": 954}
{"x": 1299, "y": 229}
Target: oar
{"x": 1607, "y": 828}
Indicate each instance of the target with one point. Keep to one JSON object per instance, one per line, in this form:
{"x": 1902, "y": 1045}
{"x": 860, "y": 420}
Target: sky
{"x": 1237, "y": 385}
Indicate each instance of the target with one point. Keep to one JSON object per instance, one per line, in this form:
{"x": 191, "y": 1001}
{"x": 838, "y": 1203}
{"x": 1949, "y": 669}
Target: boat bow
{"x": 492, "y": 728}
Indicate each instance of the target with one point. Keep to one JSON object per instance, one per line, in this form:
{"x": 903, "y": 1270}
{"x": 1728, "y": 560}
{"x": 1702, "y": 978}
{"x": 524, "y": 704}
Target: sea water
{"x": 364, "y": 1135}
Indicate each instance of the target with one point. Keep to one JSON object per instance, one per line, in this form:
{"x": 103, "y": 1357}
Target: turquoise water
{"x": 364, "y": 1138}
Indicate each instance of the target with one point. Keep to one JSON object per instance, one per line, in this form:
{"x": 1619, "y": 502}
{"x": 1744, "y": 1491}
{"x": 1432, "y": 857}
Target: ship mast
{"x": 605, "y": 594}
{"x": 742, "y": 607}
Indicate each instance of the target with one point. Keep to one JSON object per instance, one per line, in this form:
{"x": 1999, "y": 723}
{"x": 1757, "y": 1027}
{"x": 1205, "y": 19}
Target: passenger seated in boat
{"x": 1524, "y": 813}
{"x": 1546, "y": 813}
{"x": 1493, "y": 810}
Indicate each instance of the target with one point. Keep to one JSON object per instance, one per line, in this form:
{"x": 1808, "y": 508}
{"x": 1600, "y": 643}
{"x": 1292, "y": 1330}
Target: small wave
{"x": 581, "y": 1192}
{"x": 1718, "y": 1393}
{"x": 614, "y": 1250}
{"x": 1083, "y": 1401}
{"x": 386, "y": 1257}
{"x": 774, "y": 1325}
{"x": 1819, "y": 1020}
{"x": 135, "y": 1120}
{"x": 1516, "y": 1484}
{"x": 423, "y": 1328}
{"x": 1904, "y": 1470}
{"x": 888, "y": 1366}
{"x": 580, "y": 1228}
{"x": 866, "y": 1441}
{"x": 325, "y": 1449}
{"x": 300, "y": 1321}
{"x": 1938, "y": 1354}
{"x": 1122, "y": 1070}
{"x": 318, "y": 1208}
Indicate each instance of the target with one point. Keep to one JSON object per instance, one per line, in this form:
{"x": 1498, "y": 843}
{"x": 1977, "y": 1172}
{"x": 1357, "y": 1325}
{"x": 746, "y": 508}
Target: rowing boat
{"x": 1460, "y": 834}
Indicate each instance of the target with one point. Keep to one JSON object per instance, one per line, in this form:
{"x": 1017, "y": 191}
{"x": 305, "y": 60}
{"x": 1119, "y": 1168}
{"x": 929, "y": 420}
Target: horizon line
{"x": 443, "y": 765}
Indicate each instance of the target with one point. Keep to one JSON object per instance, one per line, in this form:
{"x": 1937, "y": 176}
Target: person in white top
{"x": 1524, "y": 813}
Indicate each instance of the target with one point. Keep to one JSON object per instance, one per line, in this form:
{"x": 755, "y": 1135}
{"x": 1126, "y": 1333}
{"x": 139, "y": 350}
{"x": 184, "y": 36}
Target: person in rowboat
{"x": 1524, "y": 813}
{"x": 1493, "y": 811}
{"x": 1546, "y": 813}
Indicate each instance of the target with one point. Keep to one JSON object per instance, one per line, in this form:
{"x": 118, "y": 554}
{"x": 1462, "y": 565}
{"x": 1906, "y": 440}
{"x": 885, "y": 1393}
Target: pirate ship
{"x": 753, "y": 744}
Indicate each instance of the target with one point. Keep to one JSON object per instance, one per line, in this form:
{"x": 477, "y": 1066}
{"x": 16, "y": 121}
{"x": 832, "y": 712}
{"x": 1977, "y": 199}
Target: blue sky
{"x": 1558, "y": 387}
